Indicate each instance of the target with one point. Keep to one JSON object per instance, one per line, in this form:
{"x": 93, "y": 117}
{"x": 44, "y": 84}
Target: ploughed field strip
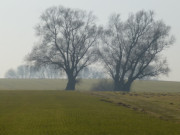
{"x": 165, "y": 106}
{"x": 74, "y": 113}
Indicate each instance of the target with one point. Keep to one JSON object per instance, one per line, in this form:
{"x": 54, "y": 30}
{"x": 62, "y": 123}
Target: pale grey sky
{"x": 19, "y": 17}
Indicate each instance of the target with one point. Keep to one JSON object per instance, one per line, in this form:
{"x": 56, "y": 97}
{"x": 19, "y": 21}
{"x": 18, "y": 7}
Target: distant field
{"x": 156, "y": 86}
{"x": 75, "y": 113}
{"x": 86, "y": 84}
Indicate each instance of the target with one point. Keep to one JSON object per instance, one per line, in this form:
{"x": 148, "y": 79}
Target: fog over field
{"x": 19, "y": 17}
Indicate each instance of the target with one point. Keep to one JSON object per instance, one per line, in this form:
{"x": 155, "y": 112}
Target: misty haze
{"x": 89, "y": 67}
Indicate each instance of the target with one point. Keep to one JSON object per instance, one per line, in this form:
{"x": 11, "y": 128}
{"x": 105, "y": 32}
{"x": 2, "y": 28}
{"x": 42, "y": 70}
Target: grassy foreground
{"x": 74, "y": 113}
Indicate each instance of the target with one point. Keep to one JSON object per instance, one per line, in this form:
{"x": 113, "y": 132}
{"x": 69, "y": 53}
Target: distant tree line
{"x": 50, "y": 72}
{"x": 70, "y": 40}
{"x": 26, "y": 71}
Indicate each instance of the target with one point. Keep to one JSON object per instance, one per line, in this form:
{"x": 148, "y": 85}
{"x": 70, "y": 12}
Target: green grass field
{"x": 41, "y": 107}
{"x": 74, "y": 113}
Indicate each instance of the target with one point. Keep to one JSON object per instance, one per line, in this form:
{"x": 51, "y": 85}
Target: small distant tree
{"x": 11, "y": 73}
{"x": 131, "y": 49}
{"x": 68, "y": 39}
{"x": 48, "y": 71}
{"x": 23, "y": 71}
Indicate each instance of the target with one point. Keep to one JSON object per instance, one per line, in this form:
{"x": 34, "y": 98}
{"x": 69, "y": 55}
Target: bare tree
{"x": 68, "y": 39}
{"x": 131, "y": 49}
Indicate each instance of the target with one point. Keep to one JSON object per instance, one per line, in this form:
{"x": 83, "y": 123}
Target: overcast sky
{"x": 19, "y": 17}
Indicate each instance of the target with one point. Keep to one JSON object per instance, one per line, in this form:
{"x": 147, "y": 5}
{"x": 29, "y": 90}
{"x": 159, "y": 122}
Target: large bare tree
{"x": 68, "y": 39}
{"x": 131, "y": 49}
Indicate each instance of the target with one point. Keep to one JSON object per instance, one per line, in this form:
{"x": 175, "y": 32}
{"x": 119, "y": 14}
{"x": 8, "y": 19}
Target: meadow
{"x": 51, "y": 111}
{"x": 74, "y": 113}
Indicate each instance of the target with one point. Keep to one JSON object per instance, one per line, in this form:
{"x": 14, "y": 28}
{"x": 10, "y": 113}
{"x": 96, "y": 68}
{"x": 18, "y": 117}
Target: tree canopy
{"x": 129, "y": 50}
{"x": 68, "y": 39}
{"x": 132, "y": 49}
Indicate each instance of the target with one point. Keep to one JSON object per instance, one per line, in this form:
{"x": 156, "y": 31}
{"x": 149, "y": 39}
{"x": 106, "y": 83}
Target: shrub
{"x": 103, "y": 85}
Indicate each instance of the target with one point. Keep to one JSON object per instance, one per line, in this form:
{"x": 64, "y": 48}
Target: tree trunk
{"x": 116, "y": 86}
{"x": 127, "y": 86}
{"x": 120, "y": 86}
{"x": 71, "y": 83}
